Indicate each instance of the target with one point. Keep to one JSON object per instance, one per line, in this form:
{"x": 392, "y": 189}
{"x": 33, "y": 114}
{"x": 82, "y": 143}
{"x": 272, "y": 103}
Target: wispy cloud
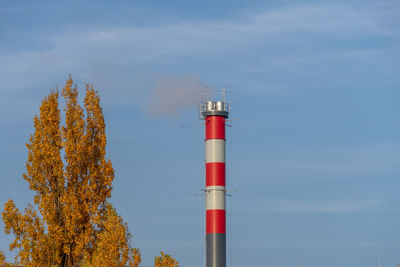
{"x": 300, "y": 206}
{"x": 124, "y": 61}
{"x": 277, "y": 245}
{"x": 338, "y": 161}
{"x": 117, "y": 47}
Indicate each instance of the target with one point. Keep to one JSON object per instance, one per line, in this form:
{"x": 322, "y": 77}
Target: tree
{"x": 70, "y": 223}
{"x": 165, "y": 260}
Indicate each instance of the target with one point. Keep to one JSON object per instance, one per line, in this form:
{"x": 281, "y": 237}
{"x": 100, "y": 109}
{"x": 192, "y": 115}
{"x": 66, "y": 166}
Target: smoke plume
{"x": 172, "y": 93}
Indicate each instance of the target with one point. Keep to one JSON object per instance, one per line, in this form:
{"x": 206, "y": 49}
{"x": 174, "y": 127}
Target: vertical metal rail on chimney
{"x": 215, "y": 113}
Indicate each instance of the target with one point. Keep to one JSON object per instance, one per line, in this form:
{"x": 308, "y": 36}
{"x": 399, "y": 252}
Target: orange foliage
{"x": 71, "y": 222}
{"x": 112, "y": 244}
{"x": 165, "y": 260}
{"x": 2, "y": 259}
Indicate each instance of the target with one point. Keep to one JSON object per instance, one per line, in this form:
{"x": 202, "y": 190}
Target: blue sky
{"x": 314, "y": 151}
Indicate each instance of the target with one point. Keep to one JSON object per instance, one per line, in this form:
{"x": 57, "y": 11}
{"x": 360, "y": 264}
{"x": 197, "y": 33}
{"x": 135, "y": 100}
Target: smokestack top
{"x": 214, "y": 108}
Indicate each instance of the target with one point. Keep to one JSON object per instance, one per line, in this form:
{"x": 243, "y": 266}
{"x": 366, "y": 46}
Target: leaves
{"x": 113, "y": 243}
{"x": 2, "y": 259}
{"x": 165, "y": 260}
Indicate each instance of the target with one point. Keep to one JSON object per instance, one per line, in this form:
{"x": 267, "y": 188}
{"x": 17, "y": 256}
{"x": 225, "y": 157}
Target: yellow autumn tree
{"x": 71, "y": 222}
{"x": 165, "y": 260}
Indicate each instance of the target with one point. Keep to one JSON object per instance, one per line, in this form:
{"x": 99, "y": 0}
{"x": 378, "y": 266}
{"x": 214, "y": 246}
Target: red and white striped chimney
{"x": 215, "y": 114}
